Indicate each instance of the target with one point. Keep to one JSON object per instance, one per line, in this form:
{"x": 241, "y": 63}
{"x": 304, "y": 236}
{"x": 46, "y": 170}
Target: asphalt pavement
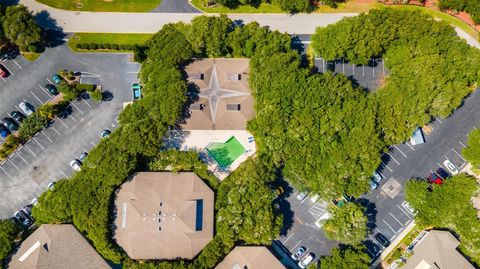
{"x": 46, "y": 157}
{"x": 175, "y": 6}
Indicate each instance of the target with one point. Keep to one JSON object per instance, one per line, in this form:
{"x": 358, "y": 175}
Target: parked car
{"x": 51, "y": 89}
{"x": 298, "y": 253}
{"x": 82, "y": 156}
{"x": 34, "y": 202}
{"x": 409, "y": 207}
{"x": 302, "y": 195}
{"x": 26, "y": 108}
{"x": 376, "y": 177}
{"x": 21, "y": 217}
{"x": 382, "y": 239}
{"x": 27, "y": 210}
{"x": 442, "y": 173}
{"x": 18, "y": 116}
{"x": 4, "y": 132}
{"x": 75, "y": 164}
{"x": 306, "y": 260}
{"x": 280, "y": 190}
{"x": 56, "y": 78}
{"x": 450, "y": 166}
{"x": 3, "y": 71}
{"x": 373, "y": 184}
{"x": 435, "y": 179}
{"x": 51, "y": 185}
{"x": 10, "y": 124}
{"x": 105, "y": 133}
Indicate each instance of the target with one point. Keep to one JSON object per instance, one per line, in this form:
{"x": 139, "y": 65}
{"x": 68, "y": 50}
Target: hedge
{"x": 107, "y": 46}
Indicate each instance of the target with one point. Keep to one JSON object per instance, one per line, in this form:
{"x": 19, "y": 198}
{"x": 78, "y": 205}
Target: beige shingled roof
{"x": 251, "y": 258}
{"x": 163, "y": 215}
{"x": 437, "y": 250}
{"x": 56, "y": 246}
{"x": 225, "y": 101}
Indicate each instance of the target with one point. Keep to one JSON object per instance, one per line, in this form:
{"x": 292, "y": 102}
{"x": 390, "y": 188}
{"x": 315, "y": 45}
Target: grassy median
{"x": 106, "y": 38}
{"x": 103, "y": 5}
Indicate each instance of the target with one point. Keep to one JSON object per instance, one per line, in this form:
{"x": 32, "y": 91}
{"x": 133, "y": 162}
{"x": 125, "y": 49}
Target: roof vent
{"x": 234, "y": 76}
{"x": 233, "y": 107}
{"x": 196, "y": 106}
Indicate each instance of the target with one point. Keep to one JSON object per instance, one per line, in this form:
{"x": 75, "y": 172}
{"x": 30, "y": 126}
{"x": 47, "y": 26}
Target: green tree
{"x": 293, "y": 6}
{"x": 8, "y": 233}
{"x": 31, "y": 125}
{"x": 47, "y": 111}
{"x": 448, "y": 206}
{"x": 472, "y": 151}
{"x": 20, "y": 27}
{"x": 348, "y": 223}
{"x": 244, "y": 204}
{"x": 208, "y": 34}
{"x": 346, "y": 258}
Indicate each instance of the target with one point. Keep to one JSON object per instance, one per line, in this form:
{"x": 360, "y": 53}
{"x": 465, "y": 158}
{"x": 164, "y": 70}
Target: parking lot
{"x": 406, "y": 161}
{"x": 46, "y": 157}
{"x": 299, "y": 226}
{"x": 368, "y": 76}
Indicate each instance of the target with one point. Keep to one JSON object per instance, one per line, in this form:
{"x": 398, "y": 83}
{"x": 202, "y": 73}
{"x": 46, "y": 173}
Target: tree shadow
{"x": 174, "y": 139}
{"x": 370, "y": 212}
{"x": 283, "y": 205}
{"x": 54, "y": 35}
{"x": 10, "y": 2}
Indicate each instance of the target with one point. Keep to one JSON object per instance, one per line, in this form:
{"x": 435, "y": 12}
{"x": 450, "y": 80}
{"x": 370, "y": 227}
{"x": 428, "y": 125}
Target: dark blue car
{"x": 4, "y": 131}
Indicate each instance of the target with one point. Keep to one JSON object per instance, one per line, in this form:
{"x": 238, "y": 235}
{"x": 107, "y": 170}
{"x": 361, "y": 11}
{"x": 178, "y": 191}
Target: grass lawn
{"x": 103, "y": 5}
{"x": 31, "y": 56}
{"x": 226, "y": 153}
{"x": 262, "y": 8}
{"x": 445, "y": 17}
{"x": 104, "y": 38}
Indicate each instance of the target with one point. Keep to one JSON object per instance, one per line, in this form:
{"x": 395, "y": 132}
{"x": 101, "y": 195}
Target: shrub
{"x": 96, "y": 95}
{"x": 127, "y": 47}
{"x": 121, "y": 46}
{"x": 85, "y": 87}
{"x": 30, "y": 126}
{"x": 101, "y": 46}
{"x": 9, "y": 145}
{"x": 114, "y": 47}
{"x": 78, "y": 45}
{"x": 108, "y": 46}
{"x": 92, "y": 46}
{"x": 33, "y": 48}
{"x": 84, "y": 46}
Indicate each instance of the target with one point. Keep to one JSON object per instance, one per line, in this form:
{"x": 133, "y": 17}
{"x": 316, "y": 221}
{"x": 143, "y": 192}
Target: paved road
{"x": 117, "y": 22}
{"x": 46, "y": 157}
{"x": 175, "y": 6}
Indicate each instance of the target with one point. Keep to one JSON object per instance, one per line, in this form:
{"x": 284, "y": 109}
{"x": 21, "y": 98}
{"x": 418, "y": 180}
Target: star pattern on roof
{"x": 214, "y": 92}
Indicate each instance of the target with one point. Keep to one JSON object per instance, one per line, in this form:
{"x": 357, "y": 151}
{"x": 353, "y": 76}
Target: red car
{"x": 3, "y": 71}
{"x": 433, "y": 178}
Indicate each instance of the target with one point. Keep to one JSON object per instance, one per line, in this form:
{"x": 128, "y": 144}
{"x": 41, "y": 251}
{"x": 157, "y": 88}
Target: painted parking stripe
{"x": 395, "y": 218}
{"x": 294, "y": 246}
{"x": 391, "y": 157}
{"x": 400, "y": 151}
{"x": 93, "y": 144}
{"x": 19, "y": 155}
{"x": 53, "y": 128}
{"x": 406, "y": 212}
{"x": 438, "y": 120}
{"x": 49, "y": 81}
{"x": 34, "y": 139}
{"x": 389, "y": 226}
{"x": 459, "y": 155}
{"x": 5, "y": 172}
{"x": 46, "y": 136}
{"x": 10, "y": 161}
{"x": 63, "y": 173}
{"x": 10, "y": 72}
{"x": 26, "y": 146}
{"x": 86, "y": 103}
{"x": 288, "y": 238}
{"x": 463, "y": 145}
{"x": 409, "y": 146}
{"x": 50, "y": 95}
{"x": 41, "y": 102}
{"x": 4, "y": 80}
{"x": 386, "y": 166}
{"x": 63, "y": 123}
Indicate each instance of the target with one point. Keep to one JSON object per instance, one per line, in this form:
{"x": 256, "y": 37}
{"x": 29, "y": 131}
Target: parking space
{"x": 300, "y": 230}
{"x": 46, "y": 157}
{"x": 13, "y": 66}
{"x": 368, "y": 76}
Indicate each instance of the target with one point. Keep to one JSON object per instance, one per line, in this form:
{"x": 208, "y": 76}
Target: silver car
{"x": 75, "y": 164}
{"x": 26, "y": 108}
{"x": 451, "y": 167}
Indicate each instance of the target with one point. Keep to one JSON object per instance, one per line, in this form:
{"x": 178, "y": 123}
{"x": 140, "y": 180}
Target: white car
{"x": 75, "y": 164}
{"x": 451, "y": 167}
{"x": 377, "y": 177}
{"x": 306, "y": 260}
{"x": 26, "y": 108}
{"x": 302, "y": 195}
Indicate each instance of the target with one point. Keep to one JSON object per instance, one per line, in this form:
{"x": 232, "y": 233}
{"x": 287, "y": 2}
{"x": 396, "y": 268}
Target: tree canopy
{"x": 448, "y": 206}
{"x": 20, "y": 27}
{"x": 346, "y": 258}
{"x": 8, "y": 233}
{"x": 430, "y": 68}
{"x": 472, "y": 151}
{"x": 348, "y": 223}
